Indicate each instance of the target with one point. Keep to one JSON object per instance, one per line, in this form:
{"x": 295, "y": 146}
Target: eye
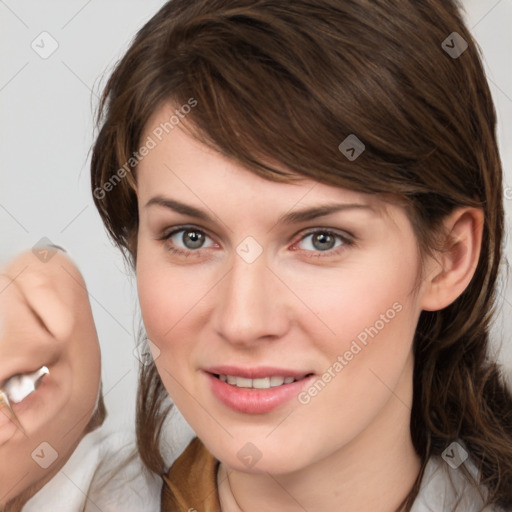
{"x": 185, "y": 240}
{"x": 325, "y": 241}
{"x": 189, "y": 240}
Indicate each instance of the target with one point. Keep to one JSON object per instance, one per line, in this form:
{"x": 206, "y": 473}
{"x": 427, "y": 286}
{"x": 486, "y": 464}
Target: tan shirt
{"x": 191, "y": 483}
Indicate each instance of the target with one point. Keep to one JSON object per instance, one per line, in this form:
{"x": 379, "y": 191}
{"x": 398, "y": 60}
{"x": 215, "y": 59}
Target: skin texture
{"x": 45, "y": 319}
{"x": 297, "y": 307}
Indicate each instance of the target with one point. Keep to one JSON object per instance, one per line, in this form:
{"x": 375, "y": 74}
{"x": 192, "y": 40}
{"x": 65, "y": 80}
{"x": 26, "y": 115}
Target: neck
{"x": 375, "y": 471}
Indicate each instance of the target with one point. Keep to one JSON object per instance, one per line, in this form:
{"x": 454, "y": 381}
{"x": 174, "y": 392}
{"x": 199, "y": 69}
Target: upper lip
{"x": 258, "y": 372}
{"x": 25, "y": 385}
{"x": 47, "y": 356}
{"x": 24, "y": 371}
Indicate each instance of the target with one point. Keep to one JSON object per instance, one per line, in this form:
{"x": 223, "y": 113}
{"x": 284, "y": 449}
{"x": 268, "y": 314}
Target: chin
{"x": 256, "y": 457}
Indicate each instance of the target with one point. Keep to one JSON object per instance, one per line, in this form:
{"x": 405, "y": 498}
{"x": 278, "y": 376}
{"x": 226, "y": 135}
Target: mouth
{"x": 261, "y": 383}
{"x": 256, "y": 391}
{"x": 20, "y": 386}
{"x": 19, "y": 394}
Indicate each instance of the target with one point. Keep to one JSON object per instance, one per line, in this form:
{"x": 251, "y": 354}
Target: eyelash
{"x": 347, "y": 241}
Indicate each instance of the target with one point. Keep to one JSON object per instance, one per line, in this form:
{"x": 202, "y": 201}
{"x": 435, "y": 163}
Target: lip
{"x": 27, "y": 384}
{"x": 255, "y": 401}
{"x": 28, "y": 403}
{"x": 31, "y": 406}
{"x": 259, "y": 372}
{"x": 17, "y": 371}
{"x": 49, "y": 361}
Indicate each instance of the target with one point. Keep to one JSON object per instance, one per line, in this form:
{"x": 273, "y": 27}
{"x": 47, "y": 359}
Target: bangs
{"x": 270, "y": 96}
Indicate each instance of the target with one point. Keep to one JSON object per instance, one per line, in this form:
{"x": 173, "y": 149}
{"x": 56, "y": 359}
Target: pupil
{"x": 193, "y": 239}
{"x": 323, "y": 238}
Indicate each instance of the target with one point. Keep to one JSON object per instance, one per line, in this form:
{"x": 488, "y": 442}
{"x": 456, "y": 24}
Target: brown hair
{"x": 287, "y": 82}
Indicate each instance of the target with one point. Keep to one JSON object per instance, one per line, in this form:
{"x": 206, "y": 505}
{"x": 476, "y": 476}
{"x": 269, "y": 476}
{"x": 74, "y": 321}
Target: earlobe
{"x": 452, "y": 268}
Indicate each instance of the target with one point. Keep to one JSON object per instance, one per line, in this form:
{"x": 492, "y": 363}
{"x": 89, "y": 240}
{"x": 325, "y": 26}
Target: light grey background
{"x": 46, "y": 132}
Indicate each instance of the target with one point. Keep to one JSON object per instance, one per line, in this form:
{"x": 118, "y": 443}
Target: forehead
{"x": 180, "y": 166}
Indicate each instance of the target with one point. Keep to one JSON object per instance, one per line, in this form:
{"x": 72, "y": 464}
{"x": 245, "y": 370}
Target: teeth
{"x": 276, "y": 381}
{"x": 20, "y": 386}
{"x": 261, "y": 383}
{"x": 242, "y": 382}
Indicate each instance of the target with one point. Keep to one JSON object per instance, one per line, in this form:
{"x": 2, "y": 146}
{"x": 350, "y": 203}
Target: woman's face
{"x": 253, "y": 289}
{"x": 45, "y": 320}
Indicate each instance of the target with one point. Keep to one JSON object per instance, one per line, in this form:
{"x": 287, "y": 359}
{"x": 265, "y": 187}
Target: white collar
{"x": 442, "y": 486}
{"x": 78, "y": 486}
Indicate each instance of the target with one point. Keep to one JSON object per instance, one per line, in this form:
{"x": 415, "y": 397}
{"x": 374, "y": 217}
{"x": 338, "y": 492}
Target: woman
{"x": 310, "y": 194}
{"x": 55, "y": 453}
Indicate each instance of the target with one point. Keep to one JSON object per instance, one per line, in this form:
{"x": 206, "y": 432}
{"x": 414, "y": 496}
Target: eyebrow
{"x": 294, "y": 217}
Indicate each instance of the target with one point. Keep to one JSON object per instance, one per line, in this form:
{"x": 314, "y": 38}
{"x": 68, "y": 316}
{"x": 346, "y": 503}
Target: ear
{"x": 450, "y": 270}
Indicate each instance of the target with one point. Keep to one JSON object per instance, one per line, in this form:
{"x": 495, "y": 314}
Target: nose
{"x": 25, "y": 342}
{"x": 251, "y": 304}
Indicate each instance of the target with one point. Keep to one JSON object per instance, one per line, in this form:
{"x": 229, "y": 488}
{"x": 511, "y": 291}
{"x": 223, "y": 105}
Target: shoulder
{"x": 191, "y": 482}
{"x": 104, "y": 471}
{"x": 121, "y": 481}
{"x": 446, "y": 489}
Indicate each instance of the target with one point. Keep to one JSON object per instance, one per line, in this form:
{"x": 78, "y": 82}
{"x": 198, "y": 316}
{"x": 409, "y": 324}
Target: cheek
{"x": 84, "y": 357}
{"x": 371, "y": 315}
{"x": 170, "y": 295}
{"x": 86, "y": 380}
{"x": 374, "y": 320}
{"x": 358, "y": 301}
{"x": 154, "y": 291}
{"x": 163, "y": 301}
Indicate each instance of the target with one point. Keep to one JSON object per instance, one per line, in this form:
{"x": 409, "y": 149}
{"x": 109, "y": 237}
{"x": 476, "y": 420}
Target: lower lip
{"x": 8, "y": 424}
{"x": 32, "y": 400}
{"x": 255, "y": 401}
